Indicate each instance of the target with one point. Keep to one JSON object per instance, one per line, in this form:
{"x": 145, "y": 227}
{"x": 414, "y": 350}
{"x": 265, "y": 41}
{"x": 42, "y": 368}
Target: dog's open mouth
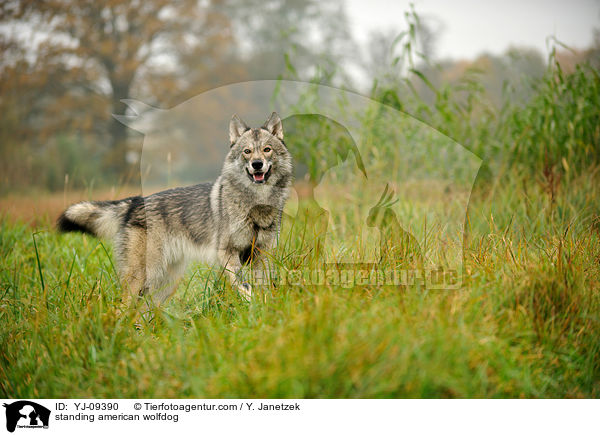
{"x": 259, "y": 177}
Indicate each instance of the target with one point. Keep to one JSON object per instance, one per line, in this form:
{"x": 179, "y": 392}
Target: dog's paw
{"x": 245, "y": 291}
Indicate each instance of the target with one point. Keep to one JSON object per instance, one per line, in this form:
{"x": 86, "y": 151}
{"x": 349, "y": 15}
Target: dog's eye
{"x": 267, "y": 149}
{"x": 247, "y": 151}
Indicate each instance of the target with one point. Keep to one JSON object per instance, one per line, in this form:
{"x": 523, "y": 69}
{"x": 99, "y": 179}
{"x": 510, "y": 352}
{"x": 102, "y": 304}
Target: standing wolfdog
{"x": 230, "y": 222}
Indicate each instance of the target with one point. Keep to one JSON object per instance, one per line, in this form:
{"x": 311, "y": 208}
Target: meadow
{"x": 524, "y": 323}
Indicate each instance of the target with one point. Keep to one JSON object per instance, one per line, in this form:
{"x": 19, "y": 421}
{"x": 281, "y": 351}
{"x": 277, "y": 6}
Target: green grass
{"x": 525, "y": 324}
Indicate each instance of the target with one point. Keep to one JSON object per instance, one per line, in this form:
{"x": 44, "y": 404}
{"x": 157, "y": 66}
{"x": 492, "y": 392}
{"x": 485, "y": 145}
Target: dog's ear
{"x": 237, "y": 127}
{"x": 274, "y": 126}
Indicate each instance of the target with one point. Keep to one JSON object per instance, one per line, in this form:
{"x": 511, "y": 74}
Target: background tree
{"x": 296, "y": 39}
{"x": 82, "y": 58}
{"x": 66, "y": 66}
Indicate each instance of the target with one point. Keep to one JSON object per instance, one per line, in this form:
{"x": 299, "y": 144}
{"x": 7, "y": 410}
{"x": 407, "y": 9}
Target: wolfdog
{"x": 232, "y": 222}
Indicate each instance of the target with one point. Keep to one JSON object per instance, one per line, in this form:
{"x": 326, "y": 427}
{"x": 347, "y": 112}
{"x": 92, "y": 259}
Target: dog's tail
{"x": 99, "y": 218}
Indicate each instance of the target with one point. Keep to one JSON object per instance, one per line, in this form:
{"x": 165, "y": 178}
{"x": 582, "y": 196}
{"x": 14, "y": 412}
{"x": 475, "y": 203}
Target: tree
{"x": 296, "y": 39}
{"x": 93, "y": 54}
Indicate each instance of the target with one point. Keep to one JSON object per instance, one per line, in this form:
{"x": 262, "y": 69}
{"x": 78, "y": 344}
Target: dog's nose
{"x": 257, "y": 164}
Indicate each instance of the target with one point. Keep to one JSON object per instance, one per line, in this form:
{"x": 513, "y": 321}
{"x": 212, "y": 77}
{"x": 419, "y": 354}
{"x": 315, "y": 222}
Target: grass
{"x": 525, "y": 324}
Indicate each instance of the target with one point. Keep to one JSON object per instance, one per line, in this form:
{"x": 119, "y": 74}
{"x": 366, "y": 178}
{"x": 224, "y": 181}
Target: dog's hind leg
{"x": 147, "y": 278}
{"x": 130, "y": 252}
{"x": 163, "y": 282}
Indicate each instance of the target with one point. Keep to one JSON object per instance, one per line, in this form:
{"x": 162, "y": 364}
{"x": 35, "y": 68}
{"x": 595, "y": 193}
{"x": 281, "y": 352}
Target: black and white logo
{"x": 25, "y": 414}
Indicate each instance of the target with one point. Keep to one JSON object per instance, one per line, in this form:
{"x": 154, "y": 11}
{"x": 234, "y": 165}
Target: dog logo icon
{"x": 26, "y": 414}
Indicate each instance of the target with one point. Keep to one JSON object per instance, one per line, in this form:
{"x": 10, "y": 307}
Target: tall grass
{"x": 525, "y": 324}
{"x": 553, "y": 134}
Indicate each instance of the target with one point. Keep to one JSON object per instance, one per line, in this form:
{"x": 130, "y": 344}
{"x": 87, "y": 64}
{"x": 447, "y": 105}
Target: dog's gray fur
{"x": 232, "y": 221}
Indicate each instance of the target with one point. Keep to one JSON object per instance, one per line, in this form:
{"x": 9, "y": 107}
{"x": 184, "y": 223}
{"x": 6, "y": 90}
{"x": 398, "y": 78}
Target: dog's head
{"x": 259, "y": 153}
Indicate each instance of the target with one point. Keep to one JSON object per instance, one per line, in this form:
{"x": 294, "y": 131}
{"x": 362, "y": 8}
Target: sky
{"x": 470, "y": 27}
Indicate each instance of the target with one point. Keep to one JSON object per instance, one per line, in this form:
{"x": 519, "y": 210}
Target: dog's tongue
{"x": 259, "y": 176}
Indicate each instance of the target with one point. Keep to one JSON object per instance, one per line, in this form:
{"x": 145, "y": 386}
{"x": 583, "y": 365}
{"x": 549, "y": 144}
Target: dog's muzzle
{"x": 258, "y": 176}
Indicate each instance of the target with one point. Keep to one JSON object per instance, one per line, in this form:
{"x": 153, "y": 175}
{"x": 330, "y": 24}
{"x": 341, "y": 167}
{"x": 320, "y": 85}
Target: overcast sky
{"x": 470, "y": 27}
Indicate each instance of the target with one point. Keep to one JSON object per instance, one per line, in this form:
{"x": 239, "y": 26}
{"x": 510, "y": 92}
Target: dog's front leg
{"x": 230, "y": 260}
{"x": 263, "y": 271}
